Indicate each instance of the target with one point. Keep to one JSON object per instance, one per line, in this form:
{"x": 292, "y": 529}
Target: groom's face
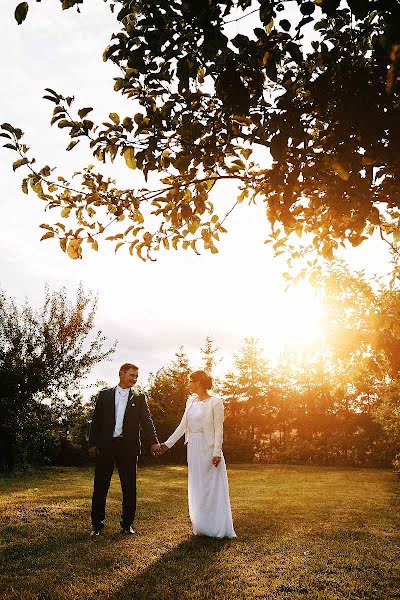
{"x": 128, "y": 378}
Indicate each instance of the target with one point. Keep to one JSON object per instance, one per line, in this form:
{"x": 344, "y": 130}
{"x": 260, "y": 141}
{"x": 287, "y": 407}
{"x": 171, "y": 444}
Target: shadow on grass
{"x": 192, "y": 566}
{"x": 36, "y": 543}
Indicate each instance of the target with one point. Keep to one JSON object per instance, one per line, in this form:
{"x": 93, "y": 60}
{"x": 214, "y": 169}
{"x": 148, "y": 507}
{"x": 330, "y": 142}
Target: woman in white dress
{"x": 208, "y": 491}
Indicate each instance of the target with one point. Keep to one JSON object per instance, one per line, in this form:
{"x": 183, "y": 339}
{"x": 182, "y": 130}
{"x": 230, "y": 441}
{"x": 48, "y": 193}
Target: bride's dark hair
{"x": 202, "y": 377}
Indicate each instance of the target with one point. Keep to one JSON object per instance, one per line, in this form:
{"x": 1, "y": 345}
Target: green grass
{"x": 303, "y": 533}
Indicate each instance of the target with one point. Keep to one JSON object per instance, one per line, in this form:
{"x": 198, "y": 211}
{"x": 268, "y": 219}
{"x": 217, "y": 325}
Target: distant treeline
{"x": 336, "y": 404}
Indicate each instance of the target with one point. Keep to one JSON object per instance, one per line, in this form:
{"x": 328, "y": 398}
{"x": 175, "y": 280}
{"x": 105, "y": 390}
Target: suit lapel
{"x": 129, "y": 405}
{"x": 112, "y": 401}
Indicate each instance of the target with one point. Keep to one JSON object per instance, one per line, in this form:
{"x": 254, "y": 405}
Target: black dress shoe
{"x": 95, "y": 532}
{"x": 128, "y": 530}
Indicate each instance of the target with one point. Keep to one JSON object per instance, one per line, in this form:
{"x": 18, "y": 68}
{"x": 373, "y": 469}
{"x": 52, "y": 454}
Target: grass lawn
{"x": 303, "y": 533}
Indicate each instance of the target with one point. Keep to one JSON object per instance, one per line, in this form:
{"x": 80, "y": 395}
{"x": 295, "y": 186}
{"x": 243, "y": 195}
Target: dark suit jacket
{"x": 137, "y": 413}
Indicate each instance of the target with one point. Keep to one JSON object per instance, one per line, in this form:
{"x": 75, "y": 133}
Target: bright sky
{"x": 150, "y": 308}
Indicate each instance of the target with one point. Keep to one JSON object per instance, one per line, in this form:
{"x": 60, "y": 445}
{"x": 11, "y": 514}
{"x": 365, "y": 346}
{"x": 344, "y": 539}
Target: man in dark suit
{"x": 114, "y": 440}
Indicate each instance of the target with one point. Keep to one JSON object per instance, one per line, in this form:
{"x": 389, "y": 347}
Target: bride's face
{"x": 194, "y": 386}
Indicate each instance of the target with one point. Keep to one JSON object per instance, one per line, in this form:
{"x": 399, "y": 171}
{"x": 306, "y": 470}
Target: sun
{"x": 301, "y": 318}
{"x": 296, "y": 321}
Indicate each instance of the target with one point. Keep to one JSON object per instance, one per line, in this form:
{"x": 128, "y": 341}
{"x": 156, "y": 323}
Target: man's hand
{"x": 93, "y": 451}
{"x": 154, "y": 449}
{"x": 158, "y": 449}
{"x": 216, "y": 460}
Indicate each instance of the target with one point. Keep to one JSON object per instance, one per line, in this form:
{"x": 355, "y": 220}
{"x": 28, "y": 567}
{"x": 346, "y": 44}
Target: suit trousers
{"x": 117, "y": 453}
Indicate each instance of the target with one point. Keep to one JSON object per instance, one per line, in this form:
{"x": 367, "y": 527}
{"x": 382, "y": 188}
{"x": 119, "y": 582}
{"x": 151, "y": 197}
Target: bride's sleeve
{"x": 178, "y": 433}
{"x": 218, "y": 414}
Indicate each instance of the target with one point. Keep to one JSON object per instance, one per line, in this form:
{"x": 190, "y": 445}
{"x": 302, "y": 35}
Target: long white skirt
{"x": 208, "y": 491}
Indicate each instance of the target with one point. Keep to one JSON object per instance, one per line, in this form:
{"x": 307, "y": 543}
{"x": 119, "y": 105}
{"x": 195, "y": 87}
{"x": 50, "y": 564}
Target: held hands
{"x": 216, "y": 460}
{"x": 93, "y": 451}
{"x": 158, "y": 449}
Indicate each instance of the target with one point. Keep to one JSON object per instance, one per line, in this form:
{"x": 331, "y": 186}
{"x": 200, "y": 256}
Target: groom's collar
{"x": 120, "y": 389}
{"x": 130, "y": 392}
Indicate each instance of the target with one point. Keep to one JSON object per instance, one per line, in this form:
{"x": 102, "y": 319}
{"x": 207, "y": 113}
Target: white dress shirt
{"x": 121, "y": 400}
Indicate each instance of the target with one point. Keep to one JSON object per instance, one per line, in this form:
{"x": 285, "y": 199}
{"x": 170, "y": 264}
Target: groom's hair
{"x": 127, "y": 367}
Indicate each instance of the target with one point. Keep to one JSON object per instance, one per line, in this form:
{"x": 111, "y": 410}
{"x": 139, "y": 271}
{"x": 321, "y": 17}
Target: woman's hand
{"x": 216, "y": 460}
{"x": 160, "y": 449}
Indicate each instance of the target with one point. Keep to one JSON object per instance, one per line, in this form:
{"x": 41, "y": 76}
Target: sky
{"x": 151, "y": 309}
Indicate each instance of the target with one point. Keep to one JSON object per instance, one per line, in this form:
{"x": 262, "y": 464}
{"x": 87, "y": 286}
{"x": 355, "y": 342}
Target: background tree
{"x": 168, "y": 392}
{"x": 314, "y": 85}
{"x": 251, "y": 407}
{"x": 43, "y": 352}
{"x": 209, "y": 355}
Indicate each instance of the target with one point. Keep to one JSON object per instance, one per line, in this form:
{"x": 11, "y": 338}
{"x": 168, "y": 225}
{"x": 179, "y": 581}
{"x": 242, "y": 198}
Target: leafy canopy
{"x": 314, "y": 88}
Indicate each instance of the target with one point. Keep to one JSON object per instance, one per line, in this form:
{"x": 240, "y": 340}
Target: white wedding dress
{"x": 208, "y": 491}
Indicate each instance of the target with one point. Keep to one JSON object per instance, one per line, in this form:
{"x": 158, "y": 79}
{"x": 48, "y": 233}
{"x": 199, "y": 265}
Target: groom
{"x": 114, "y": 440}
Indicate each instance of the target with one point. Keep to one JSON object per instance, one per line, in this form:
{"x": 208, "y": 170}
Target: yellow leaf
{"x": 193, "y": 245}
{"x": 374, "y": 216}
{"x": 100, "y": 155}
{"x": 241, "y": 119}
{"x": 115, "y": 118}
{"x": 65, "y": 212}
{"x": 340, "y": 170}
{"x": 129, "y": 157}
{"x": 63, "y": 244}
{"x": 242, "y": 196}
{"x": 47, "y": 235}
{"x": 269, "y": 27}
{"x": 95, "y": 245}
{"x": 74, "y": 250}
{"x": 132, "y": 246}
{"x": 210, "y": 184}
{"x": 246, "y": 152}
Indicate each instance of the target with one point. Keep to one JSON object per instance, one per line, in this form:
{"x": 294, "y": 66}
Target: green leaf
{"x": 52, "y": 92}
{"x": 20, "y": 12}
{"x": 307, "y": 8}
{"x": 72, "y": 145}
{"x": 321, "y": 24}
{"x": 127, "y": 124}
{"x": 52, "y": 99}
{"x": 83, "y": 112}
{"x": 285, "y": 24}
{"x": 8, "y": 127}
{"x": 64, "y": 123}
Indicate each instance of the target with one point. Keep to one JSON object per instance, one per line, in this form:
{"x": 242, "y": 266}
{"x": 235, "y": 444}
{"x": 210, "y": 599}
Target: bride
{"x": 208, "y": 492}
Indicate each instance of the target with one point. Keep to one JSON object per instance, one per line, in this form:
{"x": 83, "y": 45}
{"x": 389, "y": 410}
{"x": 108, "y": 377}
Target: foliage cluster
{"x": 44, "y": 355}
{"x": 313, "y": 87}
